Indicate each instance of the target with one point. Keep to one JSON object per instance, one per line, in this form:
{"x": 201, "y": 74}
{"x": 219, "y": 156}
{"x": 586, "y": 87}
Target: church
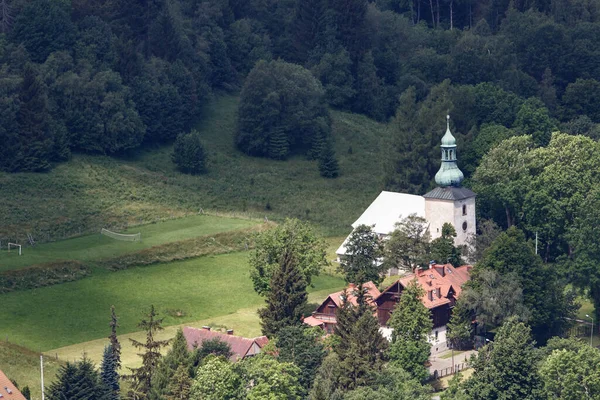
{"x": 448, "y": 202}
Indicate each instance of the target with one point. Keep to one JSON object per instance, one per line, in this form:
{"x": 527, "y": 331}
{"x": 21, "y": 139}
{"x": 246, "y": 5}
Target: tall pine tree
{"x": 361, "y": 348}
{"x": 109, "y": 374}
{"x": 141, "y": 378}
{"x": 33, "y": 119}
{"x": 411, "y": 322}
{"x": 178, "y": 356}
{"x": 115, "y": 346}
{"x": 287, "y": 297}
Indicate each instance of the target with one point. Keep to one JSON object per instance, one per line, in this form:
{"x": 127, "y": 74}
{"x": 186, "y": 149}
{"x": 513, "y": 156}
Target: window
{"x": 436, "y": 335}
{"x": 465, "y": 226}
{"x": 464, "y": 209}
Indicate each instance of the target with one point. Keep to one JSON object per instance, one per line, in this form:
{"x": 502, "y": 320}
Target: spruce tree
{"x": 328, "y": 163}
{"x": 411, "y": 322}
{"x": 141, "y": 378}
{"x": 460, "y": 326}
{"x": 177, "y": 356}
{"x": 287, "y": 297}
{"x": 109, "y": 374}
{"x": 361, "y": 349}
{"x": 278, "y": 143}
{"x": 363, "y": 250}
{"x": 189, "y": 154}
{"x": 115, "y": 346}
{"x": 180, "y": 384}
{"x": 77, "y": 381}
{"x": 33, "y": 120}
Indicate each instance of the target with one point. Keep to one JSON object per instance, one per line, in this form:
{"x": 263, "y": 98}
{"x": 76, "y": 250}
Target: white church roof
{"x": 386, "y": 211}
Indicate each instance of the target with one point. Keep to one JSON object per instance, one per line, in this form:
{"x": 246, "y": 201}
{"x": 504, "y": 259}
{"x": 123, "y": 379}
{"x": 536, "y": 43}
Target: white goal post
{"x": 121, "y": 236}
{"x": 14, "y": 245}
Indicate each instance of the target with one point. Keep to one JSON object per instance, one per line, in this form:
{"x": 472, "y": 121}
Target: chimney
{"x": 230, "y": 331}
{"x": 206, "y": 328}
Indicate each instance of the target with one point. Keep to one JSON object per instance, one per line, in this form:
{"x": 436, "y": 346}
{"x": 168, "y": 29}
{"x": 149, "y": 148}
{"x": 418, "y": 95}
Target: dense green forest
{"x": 110, "y": 76}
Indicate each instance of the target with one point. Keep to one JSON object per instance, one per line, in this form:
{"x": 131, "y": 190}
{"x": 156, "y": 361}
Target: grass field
{"x": 91, "y": 192}
{"x": 96, "y": 247}
{"x": 75, "y": 312}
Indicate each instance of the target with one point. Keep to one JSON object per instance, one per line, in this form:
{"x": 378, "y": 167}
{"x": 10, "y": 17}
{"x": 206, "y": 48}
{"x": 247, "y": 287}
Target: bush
{"x": 41, "y": 275}
{"x": 282, "y": 110}
{"x": 189, "y": 154}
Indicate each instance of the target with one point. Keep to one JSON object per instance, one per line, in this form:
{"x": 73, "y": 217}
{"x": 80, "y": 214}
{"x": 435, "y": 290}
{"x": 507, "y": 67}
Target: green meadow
{"x": 96, "y": 246}
{"x": 74, "y": 312}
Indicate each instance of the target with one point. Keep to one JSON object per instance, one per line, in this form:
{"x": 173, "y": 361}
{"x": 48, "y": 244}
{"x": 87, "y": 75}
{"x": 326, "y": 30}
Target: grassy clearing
{"x": 91, "y": 192}
{"x": 75, "y": 312}
{"x": 23, "y": 366}
{"x": 244, "y": 322}
{"x": 96, "y": 246}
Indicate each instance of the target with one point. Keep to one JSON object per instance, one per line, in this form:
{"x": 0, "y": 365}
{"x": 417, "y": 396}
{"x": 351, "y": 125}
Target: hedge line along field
{"x": 96, "y": 247}
{"x": 93, "y": 192}
{"x": 75, "y": 312}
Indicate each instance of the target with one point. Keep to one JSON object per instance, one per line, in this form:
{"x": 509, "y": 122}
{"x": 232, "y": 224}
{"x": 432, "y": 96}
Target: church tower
{"x": 450, "y": 202}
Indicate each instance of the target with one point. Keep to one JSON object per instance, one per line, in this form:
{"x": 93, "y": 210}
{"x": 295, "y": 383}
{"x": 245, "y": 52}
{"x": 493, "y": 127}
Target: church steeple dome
{"x": 449, "y": 174}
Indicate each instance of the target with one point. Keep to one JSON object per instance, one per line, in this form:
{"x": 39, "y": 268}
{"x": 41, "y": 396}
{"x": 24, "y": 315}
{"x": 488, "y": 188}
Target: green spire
{"x": 449, "y": 174}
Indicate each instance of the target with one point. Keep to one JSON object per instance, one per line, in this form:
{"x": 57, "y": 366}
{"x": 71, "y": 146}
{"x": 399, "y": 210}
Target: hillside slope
{"x": 90, "y": 192}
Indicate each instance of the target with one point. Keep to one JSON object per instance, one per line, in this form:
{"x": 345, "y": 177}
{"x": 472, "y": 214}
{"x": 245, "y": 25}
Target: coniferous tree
{"x": 460, "y": 326}
{"x": 141, "y": 378}
{"x": 361, "y": 261}
{"x": 369, "y": 91}
{"x": 307, "y": 27}
{"x": 180, "y": 385}
{"x": 33, "y": 119}
{"x": 412, "y": 323}
{"x": 328, "y": 163}
{"x": 26, "y": 392}
{"x": 287, "y": 298}
{"x": 115, "y": 346}
{"x": 189, "y": 154}
{"x": 77, "y": 381}
{"x": 177, "y": 356}
{"x": 361, "y": 348}
{"x": 109, "y": 374}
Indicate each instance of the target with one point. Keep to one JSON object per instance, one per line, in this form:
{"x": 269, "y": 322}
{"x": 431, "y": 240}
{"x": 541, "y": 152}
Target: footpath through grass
{"x": 96, "y": 247}
{"x": 75, "y": 312}
{"x": 92, "y": 192}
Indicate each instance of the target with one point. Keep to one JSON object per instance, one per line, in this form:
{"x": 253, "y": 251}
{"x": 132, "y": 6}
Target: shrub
{"x": 189, "y": 153}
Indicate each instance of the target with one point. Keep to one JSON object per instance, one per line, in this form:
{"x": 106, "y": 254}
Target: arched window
{"x": 464, "y": 226}
{"x": 464, "y": 209}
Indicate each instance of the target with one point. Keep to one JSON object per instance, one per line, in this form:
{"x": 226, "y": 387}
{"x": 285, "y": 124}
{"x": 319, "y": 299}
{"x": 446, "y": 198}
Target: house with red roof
{"x": 324, "y": 316}
{"x": 442, "y": 285}
{"x": 8, "y": 391}
{"x": 241, "y": 347}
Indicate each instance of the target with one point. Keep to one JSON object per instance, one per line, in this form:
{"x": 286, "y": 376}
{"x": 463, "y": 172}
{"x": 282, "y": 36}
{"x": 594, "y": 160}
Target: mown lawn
{"x": 96, "y": 247}
{"x": 91, "y": 192}
{"x": 75, "y": 312}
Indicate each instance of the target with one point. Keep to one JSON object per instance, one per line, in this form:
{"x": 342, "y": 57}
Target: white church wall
{"x": 460, "y": 219}
{"x": 437, "y": 213}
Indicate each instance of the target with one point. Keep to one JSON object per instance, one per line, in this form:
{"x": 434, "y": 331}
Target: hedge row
{"x": 220, "y": 243}
{"x": 41, "y": 275}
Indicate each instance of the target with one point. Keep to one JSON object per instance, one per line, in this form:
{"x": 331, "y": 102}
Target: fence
{"x": 440, "y": 373}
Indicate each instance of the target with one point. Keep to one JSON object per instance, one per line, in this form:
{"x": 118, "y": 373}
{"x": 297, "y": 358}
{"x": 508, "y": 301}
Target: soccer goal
{"x": 121, "y": 236}
{"x": 14, "y": 245}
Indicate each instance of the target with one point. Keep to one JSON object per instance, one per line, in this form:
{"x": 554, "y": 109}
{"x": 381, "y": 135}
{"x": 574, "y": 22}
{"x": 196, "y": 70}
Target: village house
{"x": 447, "y": 203}
{"x": 8, "y": 391}
{"x": 241, "y": 347}
{"x": 442, "y": 285}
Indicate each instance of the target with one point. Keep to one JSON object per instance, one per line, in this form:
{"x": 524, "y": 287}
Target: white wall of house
{"x": 437, "y": 338}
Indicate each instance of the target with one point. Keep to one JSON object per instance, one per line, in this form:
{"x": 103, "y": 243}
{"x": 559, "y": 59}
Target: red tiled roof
{"x": 7, "y": 386}
{"x": 239, "y": 345}
{"x": 372, "y": 294}
{"x": 442, "y": 277}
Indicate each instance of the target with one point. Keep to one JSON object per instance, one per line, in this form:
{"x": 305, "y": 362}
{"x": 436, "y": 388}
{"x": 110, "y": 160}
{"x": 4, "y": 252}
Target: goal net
{"x": 14, "y": 245}
{"x": 121, "y": 236}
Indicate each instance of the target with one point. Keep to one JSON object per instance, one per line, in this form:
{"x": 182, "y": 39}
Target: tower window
{"x": 464, "y": 226}
{"x": 464, "y": 209}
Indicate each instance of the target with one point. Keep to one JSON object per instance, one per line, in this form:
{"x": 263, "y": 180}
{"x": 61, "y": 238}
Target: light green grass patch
{"x": 75, "y": 312}
{"x": 23, "y": 366}
{"x": 97, "y": 246}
